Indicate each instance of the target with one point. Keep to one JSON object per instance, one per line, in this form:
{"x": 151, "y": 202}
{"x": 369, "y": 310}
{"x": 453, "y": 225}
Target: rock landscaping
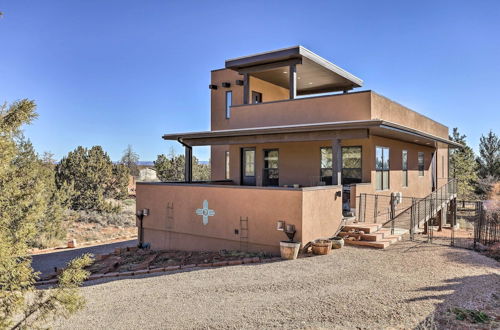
{"x": 131, "y": 261}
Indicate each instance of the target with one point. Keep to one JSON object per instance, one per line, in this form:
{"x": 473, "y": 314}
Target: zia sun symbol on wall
{"x": 205, "y": 212}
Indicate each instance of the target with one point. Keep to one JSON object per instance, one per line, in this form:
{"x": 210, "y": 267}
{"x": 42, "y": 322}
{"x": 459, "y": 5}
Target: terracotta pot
{"x": 289, "y": 250}
{"x": 321, "y": 246}
{"x": 337, "y": 242}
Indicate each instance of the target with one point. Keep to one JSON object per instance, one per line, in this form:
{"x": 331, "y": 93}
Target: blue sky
{"x": 114, "y": 73}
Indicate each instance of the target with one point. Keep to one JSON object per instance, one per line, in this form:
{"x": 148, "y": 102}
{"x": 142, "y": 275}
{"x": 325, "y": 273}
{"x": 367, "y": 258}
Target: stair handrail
{"x": 427, "y": 211}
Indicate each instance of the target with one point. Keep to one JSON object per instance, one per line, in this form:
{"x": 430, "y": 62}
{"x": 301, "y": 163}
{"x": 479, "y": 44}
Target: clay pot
{"x": 321, "y": 246}
{"x": 289, "y": 250}
{"x": 337, "y": 242}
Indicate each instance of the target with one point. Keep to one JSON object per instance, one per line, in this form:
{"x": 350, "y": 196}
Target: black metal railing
{"x": 421, "y": 211}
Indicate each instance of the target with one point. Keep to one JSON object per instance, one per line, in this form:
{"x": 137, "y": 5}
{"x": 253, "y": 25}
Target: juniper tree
{"x": 171, "y": 168}
{"x": 463, "y": 166}
{"x": 24, "y": 202}
{"x": 93, "y": 177}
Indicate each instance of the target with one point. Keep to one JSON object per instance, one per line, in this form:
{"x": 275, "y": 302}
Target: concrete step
{"x": 365, "y": 237}
{"x": 368, "y": 228}
{"x": 382, "y": 244}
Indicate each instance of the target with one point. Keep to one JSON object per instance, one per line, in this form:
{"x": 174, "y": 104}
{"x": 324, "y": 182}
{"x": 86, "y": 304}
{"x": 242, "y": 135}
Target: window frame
{"x": 383, "y": 170}
{"x": 256, "y": 93}
{"x": 229, "y": 104}
{"x": 421, "y": 167}
{"x": 349, "y": 168}
{"x": 404, "y": 168}
{"x": 329, "y": 178}
{"x": 265, "y": 169}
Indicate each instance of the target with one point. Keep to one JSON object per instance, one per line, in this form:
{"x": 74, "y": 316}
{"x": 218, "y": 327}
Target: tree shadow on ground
{"x": 480, "y": 292}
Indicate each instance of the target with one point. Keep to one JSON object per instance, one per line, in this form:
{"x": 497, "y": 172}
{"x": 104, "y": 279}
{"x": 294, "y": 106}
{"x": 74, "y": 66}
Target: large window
{"x": 382, "y": 168}
{"x": 351, "y": 165}
{"x": 326, "y": 167}
{"x": 271, "y": 168}
{"x": 404, "y": 167}
{"x": 227, "y": 174}
{"x": 229, "y": 103}
{"x": 420, "y": 164}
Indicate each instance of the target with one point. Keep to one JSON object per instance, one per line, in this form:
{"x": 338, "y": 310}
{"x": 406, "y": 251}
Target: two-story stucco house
{"x": 292, "y": 142}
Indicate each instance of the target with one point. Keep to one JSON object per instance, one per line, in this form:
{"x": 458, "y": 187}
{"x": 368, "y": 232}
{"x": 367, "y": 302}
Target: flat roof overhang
{"x": 314, "y": 73}
{"x": 311, "y": 132}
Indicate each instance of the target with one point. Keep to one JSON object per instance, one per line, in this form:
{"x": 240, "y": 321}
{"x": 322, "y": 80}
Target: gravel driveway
{"x": 46, "y": 262}
{"x": 401, "y": 287}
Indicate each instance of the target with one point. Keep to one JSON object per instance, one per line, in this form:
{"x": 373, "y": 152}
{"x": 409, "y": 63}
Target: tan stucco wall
{"x": 321, "y": 213}
{"x": 180, "y": 228}
{"x": 270, "y": 92}
{"x": 353, "y": 106}
{"x": 386, "y": 109}
{"x": 218, "y": 96}
{"x": 299, "y": 162}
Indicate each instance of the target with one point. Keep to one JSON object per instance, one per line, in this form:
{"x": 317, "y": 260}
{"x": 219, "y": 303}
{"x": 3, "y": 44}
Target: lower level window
{"x": 271, "y": 168}
{"x": 420, "y": 164}
{"x": 227, "y": 174}
{"x": 326, "y": 167}
{"x": 382, "y": 168}
{"x": 351, "y": 165}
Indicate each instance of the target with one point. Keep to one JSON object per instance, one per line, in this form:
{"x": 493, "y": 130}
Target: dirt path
{"x": 45, "y": 262}
{"x": 402, "y": 287}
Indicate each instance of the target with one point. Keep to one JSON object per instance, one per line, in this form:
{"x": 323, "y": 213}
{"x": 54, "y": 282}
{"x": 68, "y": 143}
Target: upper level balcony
{"x": 294, "y": 86}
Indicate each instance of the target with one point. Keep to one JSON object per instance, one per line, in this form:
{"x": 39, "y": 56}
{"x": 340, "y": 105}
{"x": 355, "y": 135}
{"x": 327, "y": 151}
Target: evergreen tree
{"x": 130, "y": 159}
{"x": 171, "y": 168}
{"x": 463, "y": 167}
{"x": 93, "y": 177}
{"x": 23, "y": 205}
{"x": 489, "y": 156}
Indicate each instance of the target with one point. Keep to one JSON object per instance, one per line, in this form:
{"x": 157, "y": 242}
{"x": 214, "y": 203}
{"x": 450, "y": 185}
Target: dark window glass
{"x": 229, "y": 102}
{"x": 326, "y": 166}
{"x": 420, "y": 164}
{"x": 404, "y": 167}
{"x": 256, "y": 97}
{"x": 382, "y": 168}
{"x": 271, "y": 168}
{"x": 351, "y": 165}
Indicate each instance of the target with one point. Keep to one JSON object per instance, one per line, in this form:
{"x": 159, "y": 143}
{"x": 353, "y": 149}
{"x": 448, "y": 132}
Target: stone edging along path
{"x": 170, "y": 269}
{"x": 86, "y": 244}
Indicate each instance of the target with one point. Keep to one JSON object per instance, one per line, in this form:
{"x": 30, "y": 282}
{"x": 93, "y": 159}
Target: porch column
{"x": 337, "y": 162}
{"x": 188, "y": 164}
{"x": 293, "y": 81}
{"x": 246, "y": 88}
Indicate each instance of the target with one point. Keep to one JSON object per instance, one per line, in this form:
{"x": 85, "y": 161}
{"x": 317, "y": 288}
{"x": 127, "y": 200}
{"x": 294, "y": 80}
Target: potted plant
{"x": 337, "y": 242}
{"x": 289, "y": 249}
{"x": 321, "y": 246}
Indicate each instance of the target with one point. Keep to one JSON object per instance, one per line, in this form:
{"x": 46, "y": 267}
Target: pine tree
{"x": 130, "y": 159}
{"x": 463, "y": 167}
{"x": 171, "y": 168}
{"x": 23, "y": 204}
{"x": 489, "y": 156}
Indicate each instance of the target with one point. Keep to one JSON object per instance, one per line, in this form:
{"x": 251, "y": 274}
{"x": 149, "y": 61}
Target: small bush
{"x": 470, "y": 315}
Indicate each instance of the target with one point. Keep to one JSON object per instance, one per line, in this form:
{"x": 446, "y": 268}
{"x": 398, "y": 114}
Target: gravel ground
{"x": 401, "y": 287}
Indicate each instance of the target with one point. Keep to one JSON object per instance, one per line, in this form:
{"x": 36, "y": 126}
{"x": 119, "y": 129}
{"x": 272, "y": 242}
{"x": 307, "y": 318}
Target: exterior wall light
{"x": 226, "y": 84}
{"x": 212, "y": 86}
{"x": 280, "y": 225}
{"x": 240, "y": 82}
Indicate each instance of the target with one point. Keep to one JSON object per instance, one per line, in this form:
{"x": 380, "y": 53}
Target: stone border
{"x": 170, "y": 269}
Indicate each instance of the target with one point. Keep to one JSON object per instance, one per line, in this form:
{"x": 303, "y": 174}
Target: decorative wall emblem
{"x": 205, "y": 212}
